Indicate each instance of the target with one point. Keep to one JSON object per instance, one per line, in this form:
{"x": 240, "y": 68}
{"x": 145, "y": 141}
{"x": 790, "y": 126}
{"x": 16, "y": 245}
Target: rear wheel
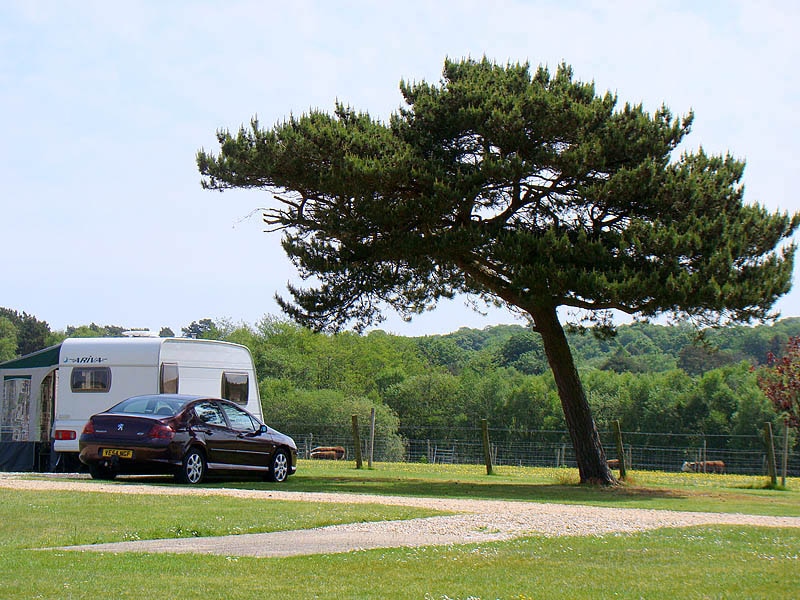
{"x": 101, "y": 472}
{"x": 193, "y": 469}
{"x": 279, "y": 466}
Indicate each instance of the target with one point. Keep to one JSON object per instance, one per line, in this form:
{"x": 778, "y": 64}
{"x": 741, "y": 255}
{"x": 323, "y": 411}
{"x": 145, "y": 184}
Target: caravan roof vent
{"x": 139, "y": 333}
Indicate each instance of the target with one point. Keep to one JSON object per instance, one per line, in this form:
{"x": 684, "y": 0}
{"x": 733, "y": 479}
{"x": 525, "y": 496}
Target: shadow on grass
{"x": 451, "y": 488}
{"x": 527, "y": 492}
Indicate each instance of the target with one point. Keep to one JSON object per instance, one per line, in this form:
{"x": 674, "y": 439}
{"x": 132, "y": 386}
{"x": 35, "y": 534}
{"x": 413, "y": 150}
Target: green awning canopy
{"x": 42, "y": 358}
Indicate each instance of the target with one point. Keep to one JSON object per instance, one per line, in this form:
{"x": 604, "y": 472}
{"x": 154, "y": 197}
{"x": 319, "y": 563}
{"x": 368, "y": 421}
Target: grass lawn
{"x": 684, "y": 563}
{"x": 700, "y": 562}
{"x": 30, "y": 519}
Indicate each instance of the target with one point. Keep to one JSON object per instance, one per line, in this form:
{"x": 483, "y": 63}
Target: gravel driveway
{"x": 475, "y": 521}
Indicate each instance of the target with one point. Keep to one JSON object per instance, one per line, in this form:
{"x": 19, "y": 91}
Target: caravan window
{"x": 169, "y": 378}
{"x": 91, "y": 379}
{"x": 234, "y": 387}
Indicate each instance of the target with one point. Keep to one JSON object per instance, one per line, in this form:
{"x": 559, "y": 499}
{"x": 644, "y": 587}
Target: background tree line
{"x": 653, "y": 378}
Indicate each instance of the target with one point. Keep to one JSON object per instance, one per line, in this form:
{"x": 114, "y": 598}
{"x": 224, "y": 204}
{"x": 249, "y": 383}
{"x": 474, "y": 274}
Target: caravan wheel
{"x": 101, "y": 472}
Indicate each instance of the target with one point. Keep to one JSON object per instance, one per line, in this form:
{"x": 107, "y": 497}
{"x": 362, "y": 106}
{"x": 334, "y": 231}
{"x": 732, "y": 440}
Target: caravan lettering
{"x": 84, "y": 360}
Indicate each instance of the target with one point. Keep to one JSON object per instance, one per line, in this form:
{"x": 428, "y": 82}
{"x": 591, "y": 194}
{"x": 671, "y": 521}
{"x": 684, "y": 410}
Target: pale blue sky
{"x": 104, "y": 104}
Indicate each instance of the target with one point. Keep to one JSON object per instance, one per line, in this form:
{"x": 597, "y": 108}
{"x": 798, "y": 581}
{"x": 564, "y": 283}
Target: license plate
{"x": 117, "y": 452}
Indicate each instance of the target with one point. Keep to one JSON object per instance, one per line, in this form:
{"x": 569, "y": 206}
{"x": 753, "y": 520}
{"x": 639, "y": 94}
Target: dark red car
{"x": 190, "y": 436}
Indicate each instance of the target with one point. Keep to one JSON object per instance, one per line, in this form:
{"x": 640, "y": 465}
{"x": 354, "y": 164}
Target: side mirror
{"x": 264, "y": 429}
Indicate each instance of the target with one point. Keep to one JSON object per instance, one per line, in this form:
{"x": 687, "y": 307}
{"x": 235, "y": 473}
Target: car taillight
{"x": 161, "y": 432}
{"x": 88, "y": 428}
{"x": 65, "y": 434}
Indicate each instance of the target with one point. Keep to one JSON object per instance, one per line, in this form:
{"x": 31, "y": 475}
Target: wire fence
{"x": 746, "y": 455}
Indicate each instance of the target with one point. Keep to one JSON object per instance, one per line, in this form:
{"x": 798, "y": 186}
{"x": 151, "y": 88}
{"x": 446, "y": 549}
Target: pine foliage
{"x": 524, "y": 188}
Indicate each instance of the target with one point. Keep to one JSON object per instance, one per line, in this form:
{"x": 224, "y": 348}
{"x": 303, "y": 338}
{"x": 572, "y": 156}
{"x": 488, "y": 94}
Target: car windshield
{"x": 148, "y": 405}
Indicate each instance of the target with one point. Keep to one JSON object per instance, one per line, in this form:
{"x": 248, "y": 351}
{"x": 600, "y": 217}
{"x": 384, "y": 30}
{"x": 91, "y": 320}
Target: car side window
{"x": 239, "y": 419}
{"x": 208, "y": 413}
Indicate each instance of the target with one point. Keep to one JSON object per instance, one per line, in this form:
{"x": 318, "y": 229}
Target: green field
{"x": 700, "y": 562}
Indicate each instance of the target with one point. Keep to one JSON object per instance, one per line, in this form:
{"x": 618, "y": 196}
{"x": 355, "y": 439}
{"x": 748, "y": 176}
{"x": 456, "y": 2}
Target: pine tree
{"x": 519, "y": 188}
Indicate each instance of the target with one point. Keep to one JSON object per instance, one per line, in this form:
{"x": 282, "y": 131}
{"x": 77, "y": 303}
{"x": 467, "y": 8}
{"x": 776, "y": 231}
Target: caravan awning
{"x": 42, "y": 358}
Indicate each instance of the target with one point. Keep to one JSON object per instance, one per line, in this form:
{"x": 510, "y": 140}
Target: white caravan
{"x": 48, "y": 396}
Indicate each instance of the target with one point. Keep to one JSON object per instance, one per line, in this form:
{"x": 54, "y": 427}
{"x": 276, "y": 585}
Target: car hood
{"x": 281, "y": 438}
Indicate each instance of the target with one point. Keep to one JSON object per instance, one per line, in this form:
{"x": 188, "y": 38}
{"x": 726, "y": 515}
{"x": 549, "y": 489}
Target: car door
{"x": 253, "y": 449}
{"x": 220, "y": 441}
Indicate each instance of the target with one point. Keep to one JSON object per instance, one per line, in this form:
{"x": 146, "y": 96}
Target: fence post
{"x": 357, "y": 442}
{"x": 487, "y": 450}
{"x": 620, "y": 449}
{"x": 771, "y": 470}
{"x": 785, "y": 452}
{"x": 629, "y": 456}
{"x": 704, "y": 460}
{"x": 371, "y": 437}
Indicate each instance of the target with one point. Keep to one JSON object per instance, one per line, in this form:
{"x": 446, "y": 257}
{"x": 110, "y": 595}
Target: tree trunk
{"x": 589, "y": 451}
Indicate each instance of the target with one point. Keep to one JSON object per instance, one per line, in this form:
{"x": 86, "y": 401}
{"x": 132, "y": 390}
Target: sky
{"x": 103, "y": 106}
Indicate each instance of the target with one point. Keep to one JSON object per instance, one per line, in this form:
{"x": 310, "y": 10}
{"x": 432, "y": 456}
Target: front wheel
{"x": 279, "y": 466}
{"x": 193, "y": 468}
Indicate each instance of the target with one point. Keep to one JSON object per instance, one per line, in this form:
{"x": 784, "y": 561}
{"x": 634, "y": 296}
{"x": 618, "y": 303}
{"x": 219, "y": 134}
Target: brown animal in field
{"x": 613, "y": 463}
{"x": 708, "y": 466}
{"x": 328, "y": 453}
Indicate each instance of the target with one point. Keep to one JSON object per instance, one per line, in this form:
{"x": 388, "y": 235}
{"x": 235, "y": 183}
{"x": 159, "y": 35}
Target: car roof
{"x": 185, "y": 398}
{"x": 181, "y": 397}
